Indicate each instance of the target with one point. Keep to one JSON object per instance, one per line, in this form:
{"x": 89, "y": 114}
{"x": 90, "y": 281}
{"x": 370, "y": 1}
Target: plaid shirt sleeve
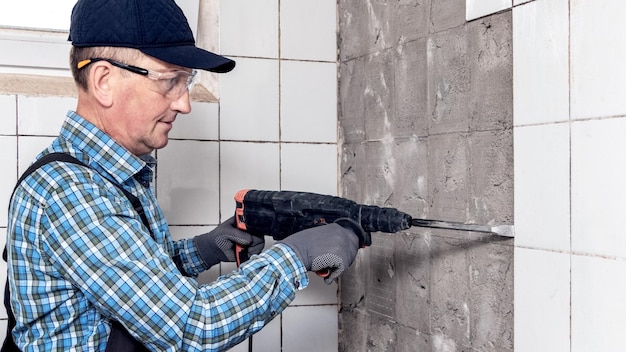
{"x": 80, "y": 256}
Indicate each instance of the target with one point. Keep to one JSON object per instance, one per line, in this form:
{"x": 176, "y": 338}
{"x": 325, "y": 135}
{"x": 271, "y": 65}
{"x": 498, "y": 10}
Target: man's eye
{"x": 170, "y": 83}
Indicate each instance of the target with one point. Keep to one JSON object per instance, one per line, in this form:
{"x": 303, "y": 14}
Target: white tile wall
{"x": 202, "y": 123}
{"x": 249, "y": 28}
{"x": 268, "y": 339}
{"x": 3, "y": 329}
{"x": 312, "y": 329}
{"x": 188, "y": 182}
{"x": 28, "y": 148}
{"x": 598, "y": 77}
{"x": 249, "y": 107}
{"x": 598, "y": 187}
{"x": 542, "y": 284}
{"x": 479, "y": 8}
{"x": 309, "y": 167}
{"x": 308, "y": 105}
{"x": 247, "y": 166}
{"x": 569, "y": 121}
{"x": 598, "y": 312}
{"x": 8, "y": 157}
{"x": 308, "y": 30}
{"x": 540, "y": 54}
{"x": 52, "y": 110}
{"x": 542, "y": 174}
{"x": 8, "y": 114}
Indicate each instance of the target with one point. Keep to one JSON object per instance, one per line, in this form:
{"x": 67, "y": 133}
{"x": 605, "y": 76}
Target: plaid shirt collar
{"x": 104, "y": 153}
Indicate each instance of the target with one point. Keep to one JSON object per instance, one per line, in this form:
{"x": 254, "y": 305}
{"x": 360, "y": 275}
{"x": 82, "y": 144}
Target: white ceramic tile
{"x": 3, "y": 276}
{"x": 598, "y": 187}
{"x": 542, "y": 289}
{"x": 268, "y": 339}
{"x": 201, "y": 123}
{"x": 249, "y": 101}
{"x": 519, "y": 2}
{"x": 479, "y": 8}
{"x": 8, "y": 114}
{"x": 29, "y": 148}
{"x": 310, "y": 329}
{"x": 3, "y": 328}
{"x": 190, "y": 9}
{"x": 188, "y": 183}
{"x": 247, "y": 166}
{"x": 249, "y": 28}
{"x": 540, "y": 62}
{"x": 308, "y": 30}
{"x": 8, "y": 158}
{"x": 241, "y": 347}
{"x": 308, "y": 101}
{"x": 542, "y": 187}
{"x": 598, "y": 309}
{"x": 309, "y": 167}
{"x": 316, "y": 293}
{"x": 42, "y": 115}
{"x": 598, "y": 53}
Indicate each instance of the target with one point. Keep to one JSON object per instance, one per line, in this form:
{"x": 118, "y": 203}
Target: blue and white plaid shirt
{"x": 79, "y": 256}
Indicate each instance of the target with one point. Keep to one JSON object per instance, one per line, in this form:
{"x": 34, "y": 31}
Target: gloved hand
{"x": 219, "y": 245}
{"x": 331, "y": 247}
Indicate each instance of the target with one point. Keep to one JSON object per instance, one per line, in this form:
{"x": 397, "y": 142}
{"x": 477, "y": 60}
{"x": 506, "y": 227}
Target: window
{"x": 33, "y": 37}
{"x": 39, "y": 14}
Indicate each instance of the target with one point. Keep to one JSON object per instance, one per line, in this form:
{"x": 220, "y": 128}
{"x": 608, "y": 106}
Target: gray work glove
{"x": 328, "y": 248}
{"x": 219, "y": 245}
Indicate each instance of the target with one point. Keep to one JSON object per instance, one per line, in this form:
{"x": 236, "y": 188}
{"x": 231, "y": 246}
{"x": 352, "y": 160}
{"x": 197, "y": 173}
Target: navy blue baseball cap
{"x": 157, "y": 28}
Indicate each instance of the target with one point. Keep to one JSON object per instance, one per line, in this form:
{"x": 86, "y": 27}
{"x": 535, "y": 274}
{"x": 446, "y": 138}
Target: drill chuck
{"x": 374, "y": 219}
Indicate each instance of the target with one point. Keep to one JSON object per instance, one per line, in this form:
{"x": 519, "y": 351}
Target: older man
{"x": 91, "y": 263}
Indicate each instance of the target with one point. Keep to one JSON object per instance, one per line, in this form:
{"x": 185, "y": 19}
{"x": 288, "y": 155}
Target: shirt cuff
{"x": 289, "y": 264}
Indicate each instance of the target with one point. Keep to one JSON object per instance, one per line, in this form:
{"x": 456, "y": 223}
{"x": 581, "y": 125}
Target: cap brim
{"x": 191, "y": 56}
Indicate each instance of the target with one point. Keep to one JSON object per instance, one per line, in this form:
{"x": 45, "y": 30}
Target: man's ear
{"x": 100, "y": 83}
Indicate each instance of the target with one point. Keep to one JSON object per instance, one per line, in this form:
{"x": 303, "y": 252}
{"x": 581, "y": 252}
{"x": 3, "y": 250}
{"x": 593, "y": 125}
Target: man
{"x": 86, "y": 271}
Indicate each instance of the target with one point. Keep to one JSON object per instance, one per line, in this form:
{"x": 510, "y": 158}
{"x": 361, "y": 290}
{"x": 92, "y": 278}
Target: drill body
{"x": 281, "y": 213}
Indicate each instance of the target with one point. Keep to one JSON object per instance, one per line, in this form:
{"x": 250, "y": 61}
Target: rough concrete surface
{"x": 426, "y": 126}
{"x": 369, "y": 21}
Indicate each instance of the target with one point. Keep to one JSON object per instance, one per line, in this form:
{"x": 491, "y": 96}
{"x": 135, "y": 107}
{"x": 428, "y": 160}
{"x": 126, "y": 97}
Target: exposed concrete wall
{"x": 426, "y": 126}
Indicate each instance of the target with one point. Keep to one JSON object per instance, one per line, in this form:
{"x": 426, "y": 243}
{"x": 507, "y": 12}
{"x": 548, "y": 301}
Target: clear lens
{"x": 174, "y": 83}
{"x": 191, "y": 80}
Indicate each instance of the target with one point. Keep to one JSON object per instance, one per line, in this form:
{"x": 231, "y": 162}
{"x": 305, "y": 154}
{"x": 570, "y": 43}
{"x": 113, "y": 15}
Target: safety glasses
{"x": 171, "y": 83}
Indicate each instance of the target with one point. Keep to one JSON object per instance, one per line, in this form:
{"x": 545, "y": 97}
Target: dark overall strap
{"x": 120, "y": 340}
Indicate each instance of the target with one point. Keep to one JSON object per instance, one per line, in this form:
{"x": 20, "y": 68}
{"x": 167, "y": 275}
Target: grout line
{"x": 17, "y": 140}
{"x": 219, "y": 162}
{"x": 250, "y": 141}
{"x": 280, "y": 115}
{"x": 572, "y": 120}
{"x": 569, "y": 96}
